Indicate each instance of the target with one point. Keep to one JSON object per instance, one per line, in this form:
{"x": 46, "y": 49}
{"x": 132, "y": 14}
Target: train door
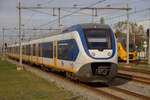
{"x": 31, "y": 56}
{"x": 25, "y": 53}
{"x": 55, "y": 52}
{"x": 40, "y": 57}
{"x": 22, "y": 52}
{"x": 37, "y": 52}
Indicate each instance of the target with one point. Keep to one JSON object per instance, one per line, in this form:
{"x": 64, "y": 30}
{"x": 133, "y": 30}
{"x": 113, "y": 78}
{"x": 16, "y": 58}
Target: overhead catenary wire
{"x": 122, "y": 15}
{"x": 48, "y": 2}
{"x": 73, "y": 13}
{"x": 34, "y": 10}
{"x": 83, "y": 13}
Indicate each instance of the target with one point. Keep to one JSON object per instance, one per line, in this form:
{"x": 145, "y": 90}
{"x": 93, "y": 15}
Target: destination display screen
{"x": 98, "y": 38}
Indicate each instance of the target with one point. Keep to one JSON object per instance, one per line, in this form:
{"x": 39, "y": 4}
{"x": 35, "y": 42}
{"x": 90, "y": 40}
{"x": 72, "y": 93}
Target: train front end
{"x": 98, "y": 54}
{"x": 122, "y": 54}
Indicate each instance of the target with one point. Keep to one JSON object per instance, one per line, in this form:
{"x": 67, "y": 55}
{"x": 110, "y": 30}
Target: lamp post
{"x": 20, "y": 67}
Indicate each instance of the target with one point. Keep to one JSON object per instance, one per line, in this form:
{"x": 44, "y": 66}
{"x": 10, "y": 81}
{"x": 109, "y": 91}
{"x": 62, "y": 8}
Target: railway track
{"x": 104, "y": 92}
{"x": 134, "y": 78}
{"x": 135, "y": 73}
{"x": 134, "y": 70}
{"x": 125, "y": 94}
{"x": 135, "y": 63}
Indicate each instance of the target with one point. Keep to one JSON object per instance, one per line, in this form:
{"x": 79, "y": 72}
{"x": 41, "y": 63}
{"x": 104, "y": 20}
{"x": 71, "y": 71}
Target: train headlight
{"x": 109, "y": 53}
{"x": 93, "y": 53}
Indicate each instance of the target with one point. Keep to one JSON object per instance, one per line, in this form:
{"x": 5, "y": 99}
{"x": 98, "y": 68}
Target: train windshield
{"x": 131, "y": 45}
{"x": 98, "y": 38}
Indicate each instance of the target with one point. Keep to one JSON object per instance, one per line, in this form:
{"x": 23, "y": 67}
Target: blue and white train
{"x": 87, "y": 52}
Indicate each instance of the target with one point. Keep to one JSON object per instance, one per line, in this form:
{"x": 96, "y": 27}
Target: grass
{"x": 23, "y": 85}
{"x": 136, "y": 66}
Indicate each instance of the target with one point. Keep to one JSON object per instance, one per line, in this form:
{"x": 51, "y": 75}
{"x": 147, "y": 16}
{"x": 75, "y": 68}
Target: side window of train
{"x": 59, "y": 50}
{"x": 43, "y": 46}
{"x": 39, "y": 53}
{"x": 71, "y": 50}
{"x": 28, "y": 50}
{"x": 47, "y": 50}
{"x": 51, "y": 50}
{"x": 75, "y": 50}
{"x": 34, "y": 50}
{"x": 65, "y": 51}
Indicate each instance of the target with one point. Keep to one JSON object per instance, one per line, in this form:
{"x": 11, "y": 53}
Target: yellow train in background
{"x": 122, "y": 54}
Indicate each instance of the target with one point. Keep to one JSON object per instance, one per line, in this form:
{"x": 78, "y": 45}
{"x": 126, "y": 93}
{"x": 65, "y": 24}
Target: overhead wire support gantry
{"x": 72, "y": 8}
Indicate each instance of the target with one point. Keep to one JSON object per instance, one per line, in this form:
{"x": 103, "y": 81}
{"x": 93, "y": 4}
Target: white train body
{"x": 75, "y": 51}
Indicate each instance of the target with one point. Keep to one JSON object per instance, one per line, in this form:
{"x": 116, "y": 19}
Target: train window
{"x": 51, "y": 50}
{"x": 28, "y": 49}
{"x": 40, "y": 50}
{"x": 47, "y": 50}
{"x": 43, "y": 46}
{"x": 131, "y": 45}
{"x": 59, "y": 51}
{"x": 34, "y": 50}
{"x": 98, "y": 38}
{"x": 65, "y": 51}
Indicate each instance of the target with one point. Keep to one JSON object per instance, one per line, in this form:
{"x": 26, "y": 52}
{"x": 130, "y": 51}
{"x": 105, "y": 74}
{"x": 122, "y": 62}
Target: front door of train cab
{"x": 55, "y": 52}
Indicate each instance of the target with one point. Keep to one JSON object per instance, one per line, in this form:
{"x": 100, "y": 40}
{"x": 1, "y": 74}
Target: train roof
{"x": 94, "y": 25}
{"x": 86, "y": 26}
{"x": 72, "y": 28}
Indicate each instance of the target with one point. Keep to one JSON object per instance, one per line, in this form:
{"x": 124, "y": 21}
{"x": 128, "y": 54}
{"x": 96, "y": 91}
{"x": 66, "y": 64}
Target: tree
{"x": 102, "y": 20}
{"x": 136, "y": 31}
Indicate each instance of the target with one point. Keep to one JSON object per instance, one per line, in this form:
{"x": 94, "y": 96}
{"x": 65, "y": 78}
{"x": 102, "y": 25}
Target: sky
{"x": 38, "y": 18}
